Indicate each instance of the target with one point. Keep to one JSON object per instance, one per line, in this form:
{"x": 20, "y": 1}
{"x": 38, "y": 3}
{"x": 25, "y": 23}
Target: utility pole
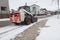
{"x": 58, "y": 4}
{"x": 58, "y": 8}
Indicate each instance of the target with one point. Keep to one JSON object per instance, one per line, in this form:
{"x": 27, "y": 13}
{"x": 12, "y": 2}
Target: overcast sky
{"x": 48, "y": 4}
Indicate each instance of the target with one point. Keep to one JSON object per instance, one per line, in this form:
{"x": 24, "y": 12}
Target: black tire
{"x": 27, "y": 21}
{"x": 16, "y": 23}
{"x": 34, "y": 20}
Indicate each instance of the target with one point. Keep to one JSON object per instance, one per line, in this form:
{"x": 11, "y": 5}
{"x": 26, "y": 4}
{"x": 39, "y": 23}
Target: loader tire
{"x": 27, "y": 21}
{"x": 34, "y": 20}
{"x": 16, "y": 23}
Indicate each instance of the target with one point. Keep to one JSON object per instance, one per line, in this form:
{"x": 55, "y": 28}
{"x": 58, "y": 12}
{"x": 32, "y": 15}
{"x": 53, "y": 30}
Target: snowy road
{"x": 11, "y": 31}
{"x": 11, "y": 34}
{"x": 7, "y": 29}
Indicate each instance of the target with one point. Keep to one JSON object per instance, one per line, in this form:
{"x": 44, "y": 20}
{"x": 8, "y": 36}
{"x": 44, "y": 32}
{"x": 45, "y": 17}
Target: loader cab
{"x": 27, "y": 8}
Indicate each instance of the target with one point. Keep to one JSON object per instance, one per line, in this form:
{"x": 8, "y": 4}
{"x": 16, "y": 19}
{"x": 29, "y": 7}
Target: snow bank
{"x": 5, "y": 19}
{"x": 52, "y": 31}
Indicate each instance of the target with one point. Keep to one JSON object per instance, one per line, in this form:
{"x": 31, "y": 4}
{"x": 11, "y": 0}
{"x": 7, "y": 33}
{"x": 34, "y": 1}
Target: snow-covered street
{"x": 29, "y": 19}
{"x": 11, "y": 31}
{"x": 51, "y": 31}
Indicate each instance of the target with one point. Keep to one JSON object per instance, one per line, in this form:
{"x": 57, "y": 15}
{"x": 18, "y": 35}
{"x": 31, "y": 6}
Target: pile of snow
{"x": 4, "y": 19}
{"x": 51, "y": 31}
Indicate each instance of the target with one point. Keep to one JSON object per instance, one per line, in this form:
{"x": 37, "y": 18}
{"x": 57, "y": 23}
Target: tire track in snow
{"x": 9, "y": 30}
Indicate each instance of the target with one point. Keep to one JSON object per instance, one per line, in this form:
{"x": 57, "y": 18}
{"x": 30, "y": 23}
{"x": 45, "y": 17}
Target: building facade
{"x": 4, "y": 6}
{"x": 35, "y": 9}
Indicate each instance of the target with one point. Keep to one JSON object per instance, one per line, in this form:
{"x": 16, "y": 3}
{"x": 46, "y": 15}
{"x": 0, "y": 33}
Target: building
{"x": 35, "y": 9}
{"x": 43, "y": 11}
{"x": 4, "y": 8}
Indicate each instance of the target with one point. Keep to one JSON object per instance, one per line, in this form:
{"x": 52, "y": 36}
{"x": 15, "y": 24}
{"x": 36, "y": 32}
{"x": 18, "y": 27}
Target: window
{"x": 34, "y": 9}
{"x": 3, "y": 8}
{"x": 27, "y": 8}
